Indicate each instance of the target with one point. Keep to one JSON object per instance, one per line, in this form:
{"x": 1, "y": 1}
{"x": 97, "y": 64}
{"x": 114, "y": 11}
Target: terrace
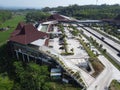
{"x": 64, "y": 48}
{"x": 76, "y": 61}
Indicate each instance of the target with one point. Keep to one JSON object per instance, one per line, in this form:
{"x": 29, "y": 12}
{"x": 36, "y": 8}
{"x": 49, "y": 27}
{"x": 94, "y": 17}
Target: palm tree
{"x": 104, "y": 50}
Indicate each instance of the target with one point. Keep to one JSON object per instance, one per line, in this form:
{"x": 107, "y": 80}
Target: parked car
{"x": 118, "y": 54}
{"x": 102, "y": 38}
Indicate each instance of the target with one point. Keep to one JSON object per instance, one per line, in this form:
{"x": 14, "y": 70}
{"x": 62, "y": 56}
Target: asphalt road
{"x": 109, "y": 49}
{"x": 108, "y": 41}
{"x": 109, "y": 73}
{"x": 103, "y": 81}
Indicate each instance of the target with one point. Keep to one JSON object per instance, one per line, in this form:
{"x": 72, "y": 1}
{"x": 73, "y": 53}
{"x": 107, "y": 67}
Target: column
{"x": 28, "y": 58}
{"x": 23, "y": 57}
{"x": 17, "y": 55}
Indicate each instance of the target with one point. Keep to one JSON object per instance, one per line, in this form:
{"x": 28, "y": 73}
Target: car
{"x": 118, "y": 54}
{"x": 105, "y": 88}
{"x": 102, "y": 38}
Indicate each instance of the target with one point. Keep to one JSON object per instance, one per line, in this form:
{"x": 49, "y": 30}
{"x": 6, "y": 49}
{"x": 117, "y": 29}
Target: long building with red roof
{"x": 26, "y": 33}
{"x": 26, "y": 37}
{"x": 26, "y": 40}
{"x": 29, "y": 43}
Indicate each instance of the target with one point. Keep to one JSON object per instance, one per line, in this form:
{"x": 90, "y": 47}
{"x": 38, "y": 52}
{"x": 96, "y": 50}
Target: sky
{"x": 52, "y": 3}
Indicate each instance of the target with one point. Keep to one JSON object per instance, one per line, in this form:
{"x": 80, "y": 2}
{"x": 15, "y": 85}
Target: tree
{"x": 117, "y": 17}
{"x": 47, "y": 86}
{"x": 88, "y": 11}
{"x": 104, "y": 50}
{"x": 37, "y": 16}
{"x": 30, "y": 76}
{"x": 100, "y": 46}
{"x": 5, "y": 82}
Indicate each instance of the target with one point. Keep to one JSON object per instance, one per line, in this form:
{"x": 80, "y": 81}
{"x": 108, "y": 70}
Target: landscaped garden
{"x": 115, "y": 85}
{"x": 96, "y": 64}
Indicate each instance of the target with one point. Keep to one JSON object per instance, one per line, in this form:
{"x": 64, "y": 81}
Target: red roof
{"x": 26, "y": 33}
{"x": 20, "y": 25}
{"x": 56, "y": 17}
{"x": 18, "y": 28}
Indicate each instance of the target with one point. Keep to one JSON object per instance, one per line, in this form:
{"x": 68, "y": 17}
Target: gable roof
{"x": 20, "y": 25}
{"x": 18, "y": 28}
{"x": 26, "y": 33}
{"x": 56, "y": 17}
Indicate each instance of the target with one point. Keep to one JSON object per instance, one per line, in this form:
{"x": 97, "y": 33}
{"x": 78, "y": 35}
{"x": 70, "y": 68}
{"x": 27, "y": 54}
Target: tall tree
{"x": 37, "y": 16}
{"x": 30, "y": 76}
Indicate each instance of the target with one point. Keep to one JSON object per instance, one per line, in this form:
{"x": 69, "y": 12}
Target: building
{"x": 29, "y": 43}
{"x": 25, "y": 42}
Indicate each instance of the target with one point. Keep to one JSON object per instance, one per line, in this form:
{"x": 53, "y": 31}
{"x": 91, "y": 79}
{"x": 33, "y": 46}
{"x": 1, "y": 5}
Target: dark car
{"x": 118, "y": 54}
{"x": 102, "y": 38}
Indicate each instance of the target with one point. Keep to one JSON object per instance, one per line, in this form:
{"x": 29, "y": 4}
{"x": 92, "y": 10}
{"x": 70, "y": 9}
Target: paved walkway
{"x": 88, "y": 79}
{"x": 102, "y": 81}
{"x": 109, "y": 73}
{"x": 110, "y": 50}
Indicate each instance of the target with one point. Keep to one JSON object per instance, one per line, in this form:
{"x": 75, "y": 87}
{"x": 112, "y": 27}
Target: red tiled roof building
{"x": 26, "y": 33}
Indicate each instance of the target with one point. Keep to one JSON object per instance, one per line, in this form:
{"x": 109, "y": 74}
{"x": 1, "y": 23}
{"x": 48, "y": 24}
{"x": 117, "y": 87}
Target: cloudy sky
{"x": 52, "y": 3}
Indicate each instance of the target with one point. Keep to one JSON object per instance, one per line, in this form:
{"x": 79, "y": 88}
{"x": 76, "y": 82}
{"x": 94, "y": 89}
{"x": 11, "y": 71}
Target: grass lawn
{"x": 12, "y": 23}
{"x": 115, "y": 85}
{"x": 5, "y": 82}
{"x": 96, "y": 64}
{"x": 98, "y": 67}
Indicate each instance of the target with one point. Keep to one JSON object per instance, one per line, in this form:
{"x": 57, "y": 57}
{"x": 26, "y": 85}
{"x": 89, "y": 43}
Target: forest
{"x": 36, "y": 16}
{"x": 88, "y": 11}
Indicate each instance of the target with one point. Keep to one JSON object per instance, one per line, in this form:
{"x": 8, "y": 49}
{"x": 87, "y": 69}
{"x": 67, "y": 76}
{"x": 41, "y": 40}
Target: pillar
{"x": 28, "y": 58}
{"x": 17, "y": 55}
{"x": 23, "y": 57}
